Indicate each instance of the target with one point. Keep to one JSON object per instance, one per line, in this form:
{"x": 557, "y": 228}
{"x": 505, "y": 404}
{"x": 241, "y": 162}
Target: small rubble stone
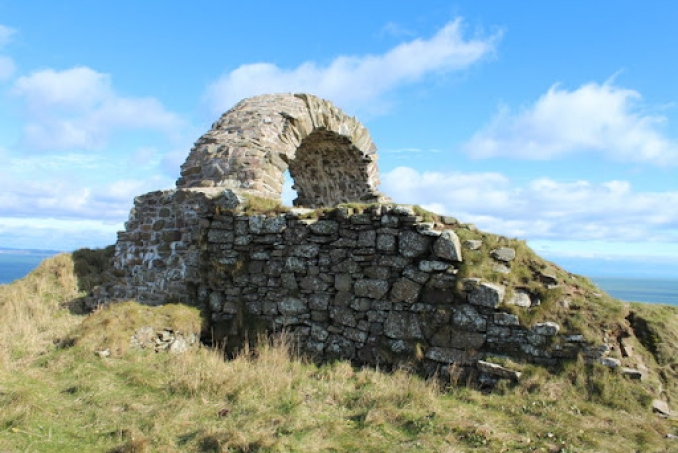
{"x": 547, "y": 329}
{"x": 505, "y": 254}
{"x": 498, "y": 370}
{"x": 433, "y": 266}
{"x": 501, "y": 269}
{"x": 610, "y": 362}
{"x": 506, "y": 319}
{"x": 450, "y": 355}
{"x": 632, "y": 373}
{"x": 661, "y": 407}
{"x": 473, "y": 244}
{"x": 520, "y": 299}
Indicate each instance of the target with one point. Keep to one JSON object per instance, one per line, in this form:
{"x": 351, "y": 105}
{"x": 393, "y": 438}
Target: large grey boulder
{"x": 447, "y": 246}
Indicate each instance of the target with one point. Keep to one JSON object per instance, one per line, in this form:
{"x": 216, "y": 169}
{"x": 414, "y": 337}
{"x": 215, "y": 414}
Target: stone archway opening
{"x": 288, "y": 194}
{"x": 329, "y": 155}
{"x": 327, "y": 169}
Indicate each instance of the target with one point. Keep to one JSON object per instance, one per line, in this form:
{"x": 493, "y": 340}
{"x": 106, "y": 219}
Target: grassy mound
{"x": 58, "y": 395}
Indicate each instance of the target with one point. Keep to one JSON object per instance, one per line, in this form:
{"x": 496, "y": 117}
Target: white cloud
{"x": 355, "y": 81}
{"x": 7, "y": 66}
{"x": 5, "y": 35}
{"x": 62, "y": 187}
{"x": 593, "y": 118}
{"x": 55, "y": 234}
{"x": 78, "y": 108}
{"x": 543, "y": 208}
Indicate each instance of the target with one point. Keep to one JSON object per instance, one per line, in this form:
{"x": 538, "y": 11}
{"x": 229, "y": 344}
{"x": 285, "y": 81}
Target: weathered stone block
{"x": 386, "y": 243}
{"x": 319, "y": 301}
{"x": 449, "y": 355}
{"x": 343, "y": 282}
{"x": 405, "y": 290}
{"x": 498, "y": 370}
{"x": 305, "y": 250}
{"x": 473, "y": 244}
{"x": 505, "y": 254}
{"x": 520, "y": 298}
{"x": 506, "y": 319}
{"x": 291, "y": 306}
{"x": 372, "y": 288}
{"x": 403, "y": 325}
{"x": 487, "y": 295}
{"x": 433, "y": 266}
{"x": 412, "y": 244}
{"x": 467, "y": 340}
{"x": 447, "y": 246}
{"x": 344, "y": 316}
{"x": 466, "y": 317}
{"x": 325, "y": 227}
{"x": 548, "y": 328}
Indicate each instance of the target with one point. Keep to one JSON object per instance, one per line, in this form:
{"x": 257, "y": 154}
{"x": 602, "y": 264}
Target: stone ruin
{"x": 376, "y": 286}
{"x": 329, "y": 155}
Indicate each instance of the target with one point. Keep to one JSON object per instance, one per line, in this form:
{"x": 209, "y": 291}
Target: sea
{"x": 16, "y": 264}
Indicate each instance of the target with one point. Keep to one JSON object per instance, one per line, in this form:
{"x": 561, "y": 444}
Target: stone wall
{"x": 378, "y": 287}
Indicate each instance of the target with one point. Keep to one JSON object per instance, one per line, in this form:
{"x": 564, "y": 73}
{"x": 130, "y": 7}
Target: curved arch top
{"x": 329, "y": 154}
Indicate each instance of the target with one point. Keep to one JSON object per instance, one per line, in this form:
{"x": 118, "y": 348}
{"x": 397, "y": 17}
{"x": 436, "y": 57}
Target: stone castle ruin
{"x": 371, "y": 283}
{"x": 329, "y": 155}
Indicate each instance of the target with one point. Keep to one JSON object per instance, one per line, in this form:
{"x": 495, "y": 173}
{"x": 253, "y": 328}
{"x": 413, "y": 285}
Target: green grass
{"x": 57, "y": 395}
{"x": 576, "y": 303}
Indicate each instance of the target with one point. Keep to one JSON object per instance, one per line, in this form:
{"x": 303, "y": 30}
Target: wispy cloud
{"x": 542, "y": 208}
{"x": 7, "y": 66}
{"x": 5, "y": 35}
{"x": 604, "y": 119}
{"x": 410, "y": 150}
{"x": 56, "y": 234}
{"x": 78, "y": 109}
{"x": 62, "y": 187}
{"x": 355, "y": 81}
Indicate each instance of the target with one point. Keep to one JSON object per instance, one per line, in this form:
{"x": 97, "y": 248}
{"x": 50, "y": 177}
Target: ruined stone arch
{"x": 329, "y": 154}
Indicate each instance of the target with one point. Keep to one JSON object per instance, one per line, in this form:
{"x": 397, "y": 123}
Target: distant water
{"x": 659, "y": 291}
{"x": 16, "y": 264}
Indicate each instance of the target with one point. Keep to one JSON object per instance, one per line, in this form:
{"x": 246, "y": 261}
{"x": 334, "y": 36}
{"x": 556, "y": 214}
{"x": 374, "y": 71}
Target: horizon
{"x": 554, "y": 123}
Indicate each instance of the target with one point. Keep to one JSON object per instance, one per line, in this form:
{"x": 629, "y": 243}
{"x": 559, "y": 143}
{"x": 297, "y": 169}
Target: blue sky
{"x": 555, "y": 122}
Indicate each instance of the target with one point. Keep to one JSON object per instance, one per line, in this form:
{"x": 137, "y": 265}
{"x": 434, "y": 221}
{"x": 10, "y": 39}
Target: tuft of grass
{"x": 261, "y": 205}
{"x": 426, "y": 215}
{"x": 32, "y": 311}
{"x": 93, "y": 266}
{"x": 112, "y": 326}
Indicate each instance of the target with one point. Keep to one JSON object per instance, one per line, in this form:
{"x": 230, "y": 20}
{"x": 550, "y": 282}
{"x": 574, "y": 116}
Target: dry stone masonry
{"x": 330, "y": 155}
{"x": 375, "y": 285}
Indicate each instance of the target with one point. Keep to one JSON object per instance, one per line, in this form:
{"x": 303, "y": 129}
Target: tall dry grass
{"x": 32, "y": 312}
